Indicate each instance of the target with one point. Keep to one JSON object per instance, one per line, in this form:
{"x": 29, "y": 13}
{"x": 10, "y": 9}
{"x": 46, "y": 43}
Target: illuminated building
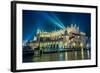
{"x": 70, "y": 37}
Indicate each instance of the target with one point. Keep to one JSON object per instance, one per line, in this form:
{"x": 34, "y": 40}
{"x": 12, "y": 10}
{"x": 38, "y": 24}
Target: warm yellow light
{"x": 78, "y": 36}
{"x": 66, "y": 43}
{"x": 81, "y": 45}
{"x": 74, "y": 44}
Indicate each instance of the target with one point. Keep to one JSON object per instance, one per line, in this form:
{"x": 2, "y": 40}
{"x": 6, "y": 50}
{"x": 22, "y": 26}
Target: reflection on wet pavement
{"x": 58, "y": 56}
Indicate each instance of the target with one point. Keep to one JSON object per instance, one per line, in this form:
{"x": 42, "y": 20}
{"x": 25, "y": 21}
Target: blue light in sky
{"x": 57, "y": 20}
{"x": 52, "y": 18}
{"x": 49, "y": 21}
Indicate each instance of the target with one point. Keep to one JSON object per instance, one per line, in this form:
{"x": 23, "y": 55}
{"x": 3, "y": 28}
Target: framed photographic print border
{"x": 14, "y": 35}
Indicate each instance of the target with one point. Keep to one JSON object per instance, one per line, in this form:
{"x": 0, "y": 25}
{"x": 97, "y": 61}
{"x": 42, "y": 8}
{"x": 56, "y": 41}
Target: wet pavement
{"x": 58, "y": 56}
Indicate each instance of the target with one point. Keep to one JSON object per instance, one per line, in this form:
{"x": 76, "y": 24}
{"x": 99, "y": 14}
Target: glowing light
{"x": 59, "y": 21}
{"x": 74, "y": 45}
{"x": 35, "y": 38}
{"x": 81, "y": 45}
{"x": 38, "y": 31}
{"x": 55, "y": 20}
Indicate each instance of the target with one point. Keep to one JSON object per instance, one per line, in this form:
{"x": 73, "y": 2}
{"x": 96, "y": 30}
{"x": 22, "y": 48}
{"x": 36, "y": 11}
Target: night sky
{"x": 49, "y": 21}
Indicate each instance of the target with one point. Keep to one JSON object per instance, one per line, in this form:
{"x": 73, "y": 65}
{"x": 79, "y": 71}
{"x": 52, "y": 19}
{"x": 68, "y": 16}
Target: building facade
{"x": 70, "y": 37}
